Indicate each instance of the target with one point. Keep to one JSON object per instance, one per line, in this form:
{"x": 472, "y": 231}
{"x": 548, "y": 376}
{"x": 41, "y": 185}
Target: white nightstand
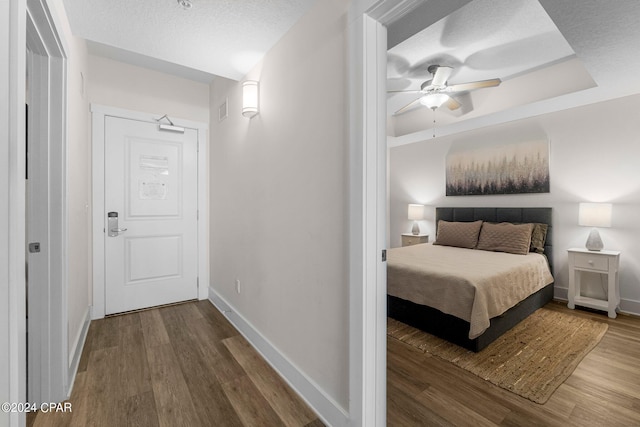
{"x": 602, "y": 262}
{"x": 409, "y": 239}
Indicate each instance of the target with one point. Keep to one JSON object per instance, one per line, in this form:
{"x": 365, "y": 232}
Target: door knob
{"x": 112, "y": 225}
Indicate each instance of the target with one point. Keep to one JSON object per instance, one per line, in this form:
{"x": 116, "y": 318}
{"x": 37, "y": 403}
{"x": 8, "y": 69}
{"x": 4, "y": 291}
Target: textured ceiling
{"x": 549, "y": 54}
{"x": 215, "y": 37}
{"x": 521, "y": 36}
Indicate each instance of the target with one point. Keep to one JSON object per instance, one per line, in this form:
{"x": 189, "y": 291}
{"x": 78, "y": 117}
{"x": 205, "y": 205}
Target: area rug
{"x": 532, "y": 359}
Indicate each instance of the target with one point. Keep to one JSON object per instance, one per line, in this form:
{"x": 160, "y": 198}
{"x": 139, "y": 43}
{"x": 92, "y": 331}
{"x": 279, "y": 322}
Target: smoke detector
{"x": 185, "y": 4}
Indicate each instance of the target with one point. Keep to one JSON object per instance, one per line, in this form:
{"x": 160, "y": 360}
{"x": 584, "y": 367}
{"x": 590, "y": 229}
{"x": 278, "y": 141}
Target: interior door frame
{"x": 50, "y": 373}
{"x": 12, "y": 203}
{"x": 98, "y": 115}
{"x": 367, "y": 308}
{"x": 368, "y": 210}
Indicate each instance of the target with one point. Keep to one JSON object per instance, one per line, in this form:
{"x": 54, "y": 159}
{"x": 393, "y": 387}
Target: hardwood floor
{"x": 182, "y": 365}
{"x": 185, "y": 365}
{"x": 604, "y": 390}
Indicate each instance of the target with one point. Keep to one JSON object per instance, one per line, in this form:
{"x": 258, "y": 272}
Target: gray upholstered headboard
{"x": 516, "y": 215}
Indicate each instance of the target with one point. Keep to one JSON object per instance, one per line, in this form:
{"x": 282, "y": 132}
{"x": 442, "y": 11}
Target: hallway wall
{"x": 79, "y": 194}
{"x": 280, "y": 203}
{"x": 116, "y": 84}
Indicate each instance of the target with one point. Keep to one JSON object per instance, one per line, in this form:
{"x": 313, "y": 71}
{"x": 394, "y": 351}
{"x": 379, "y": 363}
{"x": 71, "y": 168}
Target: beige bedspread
{"x": 471, "y": 284}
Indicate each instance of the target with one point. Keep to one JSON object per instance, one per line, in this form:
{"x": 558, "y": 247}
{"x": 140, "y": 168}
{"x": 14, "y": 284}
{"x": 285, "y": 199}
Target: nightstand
{"x": 602, "y": 262}
{"x": 409, "y": 239}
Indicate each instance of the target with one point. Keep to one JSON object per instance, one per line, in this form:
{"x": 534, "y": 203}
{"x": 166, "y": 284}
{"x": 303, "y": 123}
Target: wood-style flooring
{"x": 185, "y": 365}
{"x": 181, "y": 365}
{"x": 604, "y": 390}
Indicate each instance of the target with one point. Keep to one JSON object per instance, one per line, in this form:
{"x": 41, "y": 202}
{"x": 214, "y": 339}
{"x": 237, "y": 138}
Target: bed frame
{"x": 456, "y": 330}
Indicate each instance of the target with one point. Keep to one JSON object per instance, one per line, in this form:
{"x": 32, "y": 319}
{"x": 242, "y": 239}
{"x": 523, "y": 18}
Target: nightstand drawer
{"x": 591, "y": 262}
{"x": 412, "y": 239}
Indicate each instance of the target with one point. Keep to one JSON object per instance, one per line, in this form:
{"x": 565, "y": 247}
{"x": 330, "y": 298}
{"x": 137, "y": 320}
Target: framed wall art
{"x": 506, "y": 168}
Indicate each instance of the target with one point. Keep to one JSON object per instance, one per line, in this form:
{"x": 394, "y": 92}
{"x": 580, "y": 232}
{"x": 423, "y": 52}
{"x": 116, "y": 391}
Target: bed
{"x": 420, "y": 276}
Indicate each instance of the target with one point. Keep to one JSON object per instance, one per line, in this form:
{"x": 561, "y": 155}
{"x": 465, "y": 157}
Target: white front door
{"x": 151, "y": 180}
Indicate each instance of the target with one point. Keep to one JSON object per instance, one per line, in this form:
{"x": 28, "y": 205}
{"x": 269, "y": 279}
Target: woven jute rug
{"x": 532, "y": 359}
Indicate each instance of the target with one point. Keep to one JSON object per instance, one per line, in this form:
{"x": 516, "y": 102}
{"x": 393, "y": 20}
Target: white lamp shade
{"x": 434, "y": 100}
{"x": 250, "y": 90}
{"x": 416, "y": 212}
{"x": 595, "y": 214}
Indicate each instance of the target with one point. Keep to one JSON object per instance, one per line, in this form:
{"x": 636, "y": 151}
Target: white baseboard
{"x": 76, "y": 351}
{"x": 630, "y": 306}
{"x": 561, "y": 293}
{"x": 331, "y": 413}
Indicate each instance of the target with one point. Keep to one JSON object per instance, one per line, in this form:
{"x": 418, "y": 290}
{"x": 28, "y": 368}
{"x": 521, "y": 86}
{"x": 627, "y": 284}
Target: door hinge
{"x": 384, "y": 255}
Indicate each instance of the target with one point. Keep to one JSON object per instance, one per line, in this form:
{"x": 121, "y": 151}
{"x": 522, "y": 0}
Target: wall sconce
{"x": 594, "y": 215}
{"x": 250, "y": 91}
{"x": 416, "y": 213}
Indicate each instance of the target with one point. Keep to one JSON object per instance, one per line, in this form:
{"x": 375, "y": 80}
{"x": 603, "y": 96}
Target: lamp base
{"x": 416, "y": 228}
{"x": 594, "y": 242}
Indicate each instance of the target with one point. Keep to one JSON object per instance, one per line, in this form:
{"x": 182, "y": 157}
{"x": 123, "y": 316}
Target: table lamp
{"x": 416, "y": 213}
{"x": 594, "y": 215}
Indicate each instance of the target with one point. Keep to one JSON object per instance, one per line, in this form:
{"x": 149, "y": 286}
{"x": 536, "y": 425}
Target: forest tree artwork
{"x": 511, "y": 168}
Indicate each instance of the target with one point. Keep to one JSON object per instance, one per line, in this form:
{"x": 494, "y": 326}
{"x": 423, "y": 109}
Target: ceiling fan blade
{"x": 474, "y": 85}
{"x": 404, "y": 91}
{"x": 452, "y": 104}
{"x": 406, "y": 107}
{"x": 441, "y": 76}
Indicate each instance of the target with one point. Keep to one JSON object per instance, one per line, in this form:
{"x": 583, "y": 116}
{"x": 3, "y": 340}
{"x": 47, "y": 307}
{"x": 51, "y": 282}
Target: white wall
{"x": 594, "y": 154}
{"x": 79, "y": 193}
{"x": 116, "y": 84}
{"x": 78, "y": 184}
{"x": 279, "y": 199}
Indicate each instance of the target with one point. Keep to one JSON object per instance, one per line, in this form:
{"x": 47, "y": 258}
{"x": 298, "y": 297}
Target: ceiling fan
{"x": 435, "y": 92}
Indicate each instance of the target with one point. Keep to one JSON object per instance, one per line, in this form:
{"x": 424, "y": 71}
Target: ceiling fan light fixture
{"x": 434, "y": 100}
{"x": 185, "y": 4}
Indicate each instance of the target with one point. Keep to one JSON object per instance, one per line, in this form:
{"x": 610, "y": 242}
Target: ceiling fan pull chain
{"x": 434, "y": 122}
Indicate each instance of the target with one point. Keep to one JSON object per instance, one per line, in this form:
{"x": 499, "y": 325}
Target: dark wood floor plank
{"x": 153, "y": 329}
{"x": 226, "y": 367}
{"x": 102, "y": 387}
{"x": 424, "y": 372}
{"x": 213, "y": 315}
{"x": 140, "y": 410}
{"x": 407, "y": 372}
{"x": 172, "y": 396}
{"x": 211, "y": 403}
{"x": 251, "y": 406}
{"x": 133, "y": 373}
{"x": 404, "y": 410}
{"x": 289, "y": 407}
{"x": 80, "y": 401}
{"x": 53, "y": 419}
{"x": 451, "y": 409}
{"x": 107, "y": 333}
